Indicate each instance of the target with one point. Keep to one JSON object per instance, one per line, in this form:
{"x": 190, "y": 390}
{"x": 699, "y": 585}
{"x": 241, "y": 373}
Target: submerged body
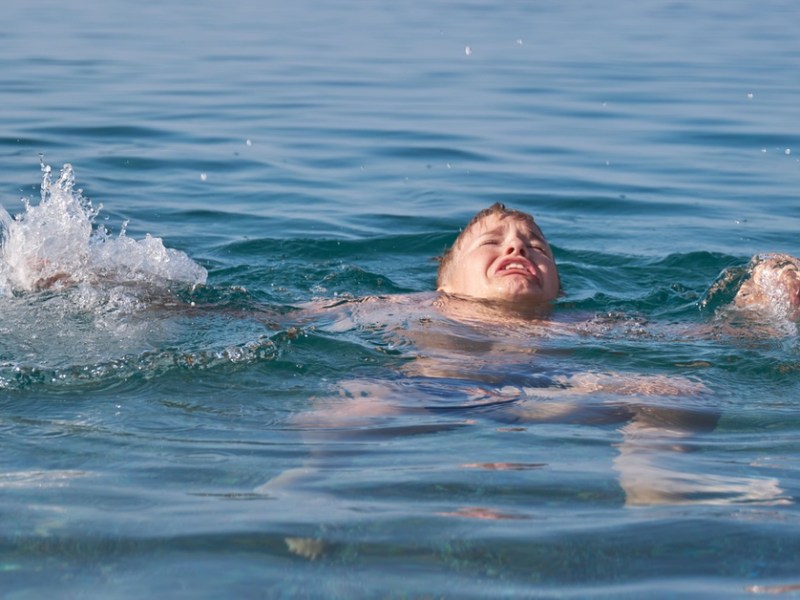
{"x": 462, "y": 364}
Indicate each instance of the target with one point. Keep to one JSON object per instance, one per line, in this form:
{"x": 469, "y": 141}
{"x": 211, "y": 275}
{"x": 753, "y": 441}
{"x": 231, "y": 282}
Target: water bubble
{"x": 788, "y": 151}
{"x": 203, "y": 176}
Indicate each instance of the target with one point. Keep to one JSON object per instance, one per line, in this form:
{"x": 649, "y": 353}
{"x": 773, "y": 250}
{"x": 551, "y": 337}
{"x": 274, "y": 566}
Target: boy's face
{"x": 501, "y": 258}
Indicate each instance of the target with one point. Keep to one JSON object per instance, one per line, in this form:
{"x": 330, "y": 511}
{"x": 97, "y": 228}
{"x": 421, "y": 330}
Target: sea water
{"x": 182, "y": 181}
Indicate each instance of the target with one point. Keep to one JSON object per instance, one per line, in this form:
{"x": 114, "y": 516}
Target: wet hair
{"x": 497, "y": 209}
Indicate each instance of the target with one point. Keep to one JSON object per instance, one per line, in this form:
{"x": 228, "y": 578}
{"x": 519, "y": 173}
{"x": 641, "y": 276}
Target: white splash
{"x": 765, "y": 296}
{"x": 56, "y": 244}
{"x": 79, "y": 305}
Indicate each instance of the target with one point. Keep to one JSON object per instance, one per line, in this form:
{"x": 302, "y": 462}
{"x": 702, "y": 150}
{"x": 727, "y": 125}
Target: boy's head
{"x": 501, "y": 255}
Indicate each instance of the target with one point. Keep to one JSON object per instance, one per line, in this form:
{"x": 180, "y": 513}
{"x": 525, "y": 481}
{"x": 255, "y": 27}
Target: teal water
{"x": 173, "y": 425}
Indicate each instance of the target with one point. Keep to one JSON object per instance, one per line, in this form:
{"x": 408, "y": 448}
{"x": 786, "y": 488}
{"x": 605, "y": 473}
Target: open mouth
{"x": 516, "y": 266}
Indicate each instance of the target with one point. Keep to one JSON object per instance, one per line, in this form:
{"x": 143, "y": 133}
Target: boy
{"x": 499, "y": 271}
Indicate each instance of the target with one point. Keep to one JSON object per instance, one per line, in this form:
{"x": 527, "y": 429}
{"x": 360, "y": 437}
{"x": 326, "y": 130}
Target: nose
{"x": 515, "y": 246}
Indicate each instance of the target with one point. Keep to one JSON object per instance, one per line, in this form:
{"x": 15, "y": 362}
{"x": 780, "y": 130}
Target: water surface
{"x": 175, "y": 426}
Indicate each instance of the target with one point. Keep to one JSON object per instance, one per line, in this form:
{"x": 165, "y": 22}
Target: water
{"x": 175, "y": 425}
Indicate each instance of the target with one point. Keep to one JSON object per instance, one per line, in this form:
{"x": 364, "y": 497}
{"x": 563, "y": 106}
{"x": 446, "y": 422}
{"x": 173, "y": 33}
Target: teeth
{"x": 514, "y": 265}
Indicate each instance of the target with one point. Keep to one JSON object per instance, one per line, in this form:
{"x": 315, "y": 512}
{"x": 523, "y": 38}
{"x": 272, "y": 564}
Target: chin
{"x": 521, "y": 294}
{"x": 523, "y": 298}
